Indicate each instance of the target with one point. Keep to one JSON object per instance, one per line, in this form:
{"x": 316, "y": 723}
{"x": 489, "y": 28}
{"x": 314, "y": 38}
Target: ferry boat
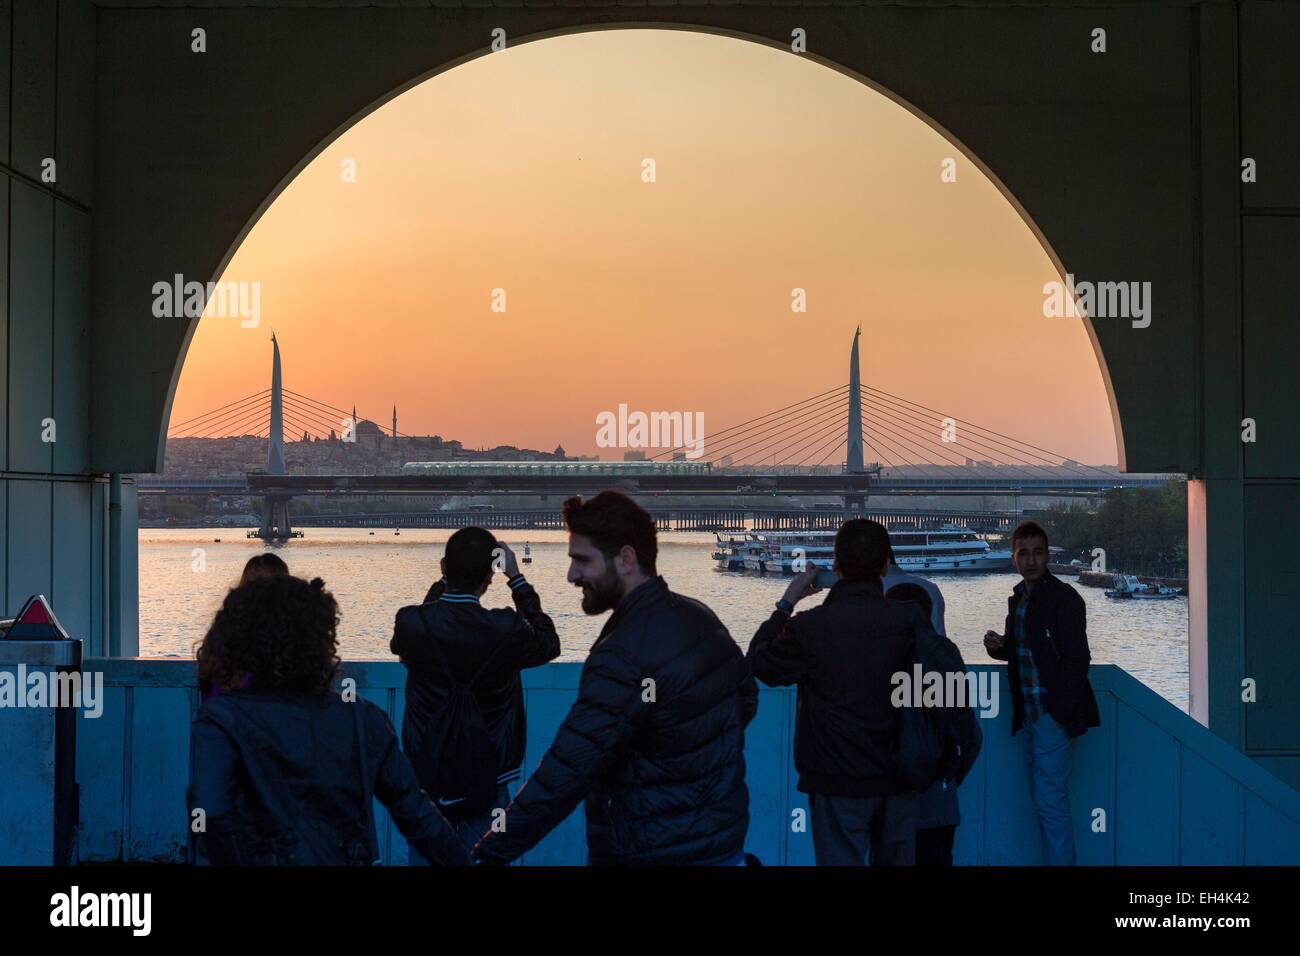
{"x": 944, "y": 548}
{"x": 738, "y": 552}
{"x": 1127, "y": 586}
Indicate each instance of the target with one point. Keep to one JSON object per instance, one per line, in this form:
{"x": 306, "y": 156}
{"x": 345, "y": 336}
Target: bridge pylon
{"x": 275, "y": 521}
{"x": 853, "y": 463}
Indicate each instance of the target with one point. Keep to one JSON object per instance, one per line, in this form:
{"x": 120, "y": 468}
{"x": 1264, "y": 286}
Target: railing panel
{"x": 1092, "y": 787}
{"x": 1265, "y": 835}
{"x": 769, "y": 821}
{"x": 550, "y": 691}
{"x": 798, "y": 839}
{"x": 1209, "y": 815}
{"x": 1173, "y": 792}
{"x": 159, "y": 773}
{"x": 101, "y": 771}
{"x": 1145, "y": 819}
{"x": 1010, "y": 825}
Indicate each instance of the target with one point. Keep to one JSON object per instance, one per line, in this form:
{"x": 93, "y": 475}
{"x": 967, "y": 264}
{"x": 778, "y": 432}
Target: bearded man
{"x": 655, "y": 741}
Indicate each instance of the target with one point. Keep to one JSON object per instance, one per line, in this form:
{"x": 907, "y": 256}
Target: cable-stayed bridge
{"x": 846, "y": 443}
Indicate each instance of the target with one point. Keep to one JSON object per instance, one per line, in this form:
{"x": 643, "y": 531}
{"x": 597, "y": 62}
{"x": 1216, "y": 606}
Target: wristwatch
{"x": 784, "y": 606}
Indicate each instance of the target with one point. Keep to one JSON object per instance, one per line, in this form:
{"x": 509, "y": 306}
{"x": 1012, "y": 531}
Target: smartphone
{"x": 826, "y": 578}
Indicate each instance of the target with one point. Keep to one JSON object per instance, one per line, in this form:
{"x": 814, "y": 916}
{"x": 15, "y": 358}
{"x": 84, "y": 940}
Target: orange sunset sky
{"x": 522, "y": 170}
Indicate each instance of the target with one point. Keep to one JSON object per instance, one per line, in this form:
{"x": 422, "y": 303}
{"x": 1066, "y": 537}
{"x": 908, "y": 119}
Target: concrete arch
{"x": 1131, "y": 162}
{"x": 279, "y": 85}
{"x": 356, "y": 117}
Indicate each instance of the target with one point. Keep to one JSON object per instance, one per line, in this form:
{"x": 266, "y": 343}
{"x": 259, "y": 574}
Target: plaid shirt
{"x": 1030, "y": 688}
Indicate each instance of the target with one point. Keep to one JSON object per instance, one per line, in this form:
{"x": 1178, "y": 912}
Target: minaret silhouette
{"x": 394, "y": 421}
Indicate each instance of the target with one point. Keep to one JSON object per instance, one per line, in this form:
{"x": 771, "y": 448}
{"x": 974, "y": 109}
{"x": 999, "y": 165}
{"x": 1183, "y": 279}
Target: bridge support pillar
{"x": 275, "y": 522}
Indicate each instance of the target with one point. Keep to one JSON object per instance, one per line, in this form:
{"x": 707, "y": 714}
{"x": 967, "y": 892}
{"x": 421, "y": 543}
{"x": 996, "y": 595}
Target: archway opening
{"x": 654, "y": 220}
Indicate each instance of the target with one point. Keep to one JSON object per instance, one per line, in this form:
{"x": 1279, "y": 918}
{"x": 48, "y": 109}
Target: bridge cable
{"x": 211, "y": 429}
{"x": 821, "y": 408}
{"x": 833, "y": 450}
{"x": 762, "y": 418}
{"x": 207, "y": 422}
{"x": 189, "y": 421}
{"x": 812, "y": 433}
{"x": 1050, "y": 454}
{"x": 736, "y": 444}
{"x": 739, "y": 446}
{"x": 833, "y": 441}
{"x": 821, "y": 416}
{"x": 960, "y": 458}
{"x": 904, "y": 416}
{"x": 969, "y": 445}
{"x": 301, "y": 418}
{"x": 345, "y": 413}
{"x": 901, "y": 458}
{"x": 918, "y": 441}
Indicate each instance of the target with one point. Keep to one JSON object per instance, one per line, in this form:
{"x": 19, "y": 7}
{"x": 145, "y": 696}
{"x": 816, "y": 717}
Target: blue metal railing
{"x": 1150, "y": 786}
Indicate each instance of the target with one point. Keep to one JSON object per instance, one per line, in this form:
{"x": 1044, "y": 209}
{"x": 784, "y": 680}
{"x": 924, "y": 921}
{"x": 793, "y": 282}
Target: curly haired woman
{"x": 283, "y": 769}
{"x": 259, "y": 566}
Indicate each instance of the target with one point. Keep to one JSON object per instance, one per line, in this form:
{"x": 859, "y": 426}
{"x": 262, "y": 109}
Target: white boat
{"x": 947, "y": 548}
{"x": 735, "y": 550}
{"x": 1127, "y": 586}
{"x": 528, "y": 554}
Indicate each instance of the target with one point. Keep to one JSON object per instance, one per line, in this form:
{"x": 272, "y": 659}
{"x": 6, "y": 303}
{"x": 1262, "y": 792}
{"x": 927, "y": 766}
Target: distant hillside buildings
{"x": 372, "y": 453}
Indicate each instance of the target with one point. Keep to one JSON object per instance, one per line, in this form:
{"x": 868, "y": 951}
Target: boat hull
{"x": 987, "y": 562}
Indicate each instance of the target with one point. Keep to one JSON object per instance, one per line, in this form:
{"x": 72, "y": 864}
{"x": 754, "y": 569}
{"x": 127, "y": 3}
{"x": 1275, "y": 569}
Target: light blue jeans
{"x": 1049, "y": 755}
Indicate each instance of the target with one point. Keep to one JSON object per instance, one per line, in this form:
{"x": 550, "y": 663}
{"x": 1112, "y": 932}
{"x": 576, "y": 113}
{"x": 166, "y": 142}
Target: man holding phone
{"x": 1045, "y": 645}
{"x": 842, "y": 656}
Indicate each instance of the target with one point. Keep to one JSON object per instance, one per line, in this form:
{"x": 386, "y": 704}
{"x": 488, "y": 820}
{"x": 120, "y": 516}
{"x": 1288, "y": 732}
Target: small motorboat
{"x": 1127, "y": 587}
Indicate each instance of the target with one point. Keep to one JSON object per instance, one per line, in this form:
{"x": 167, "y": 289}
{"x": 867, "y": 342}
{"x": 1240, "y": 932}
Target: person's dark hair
{"x": 861, "y": 548}
{"x": 1028, "y": 529}
{"x": 273, "y": 633}
{"x": 469, "y": 558}
{"x": 908, "y": 591}
{"x": 263, "y": 565}
{"x": 611, "y": 520}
